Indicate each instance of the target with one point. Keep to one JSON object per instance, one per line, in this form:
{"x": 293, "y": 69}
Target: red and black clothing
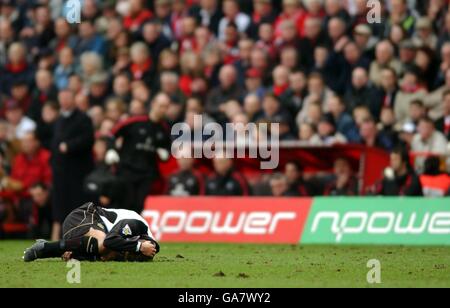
{"x": 405, "y": 185}
{"x": 138, "y": 156}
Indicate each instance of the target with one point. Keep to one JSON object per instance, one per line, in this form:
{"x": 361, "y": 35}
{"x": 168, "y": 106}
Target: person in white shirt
{"x": 232, "y": 13}
{"x": 20, "y": 124}
{"x": 428, "y": 141}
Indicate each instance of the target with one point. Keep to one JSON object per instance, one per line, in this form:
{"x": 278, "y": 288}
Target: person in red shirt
{"x": 31, "y": 166}
{"x": 138, "y": 14}
{"x": 291, "y": 11}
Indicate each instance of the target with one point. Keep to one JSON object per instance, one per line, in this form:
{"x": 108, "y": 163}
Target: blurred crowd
{"x": 86, "y": 109}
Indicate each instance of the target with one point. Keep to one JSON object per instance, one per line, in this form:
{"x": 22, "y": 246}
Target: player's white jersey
{"x": 123, "y": 215}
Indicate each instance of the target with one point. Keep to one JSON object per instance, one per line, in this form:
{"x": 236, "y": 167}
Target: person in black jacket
{"x": 362, "y": 93}
{"x": 72, "y": 158}
{"x": 400, "y": 179}
{"x": 188, "y": 181}
{"x": 226, "y": 181}
{"x": 144, "y": 139}
{"x": 208, "y": 13}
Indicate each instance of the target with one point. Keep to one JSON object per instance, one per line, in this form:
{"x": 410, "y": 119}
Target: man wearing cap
{"x": 98, "y": 89}
{"x": 424, "y": 36}
{"x": 407, "y": 54}
{"x": 365, "y": 41}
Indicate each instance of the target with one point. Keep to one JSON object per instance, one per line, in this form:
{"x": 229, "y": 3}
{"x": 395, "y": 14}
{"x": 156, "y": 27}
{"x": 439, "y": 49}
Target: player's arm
{"x": 126, "y": 237}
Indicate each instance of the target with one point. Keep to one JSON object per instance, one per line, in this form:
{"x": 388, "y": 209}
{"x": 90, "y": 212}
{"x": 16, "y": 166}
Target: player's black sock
{"x": 84, "y": 246}
{"x": 52, "y": 250}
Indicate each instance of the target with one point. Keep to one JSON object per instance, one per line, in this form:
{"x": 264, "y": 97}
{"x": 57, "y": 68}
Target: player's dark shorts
{"x": 81, "y": 220}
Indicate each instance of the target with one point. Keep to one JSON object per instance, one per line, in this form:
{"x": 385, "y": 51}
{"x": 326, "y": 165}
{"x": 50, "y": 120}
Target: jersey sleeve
{"x": 125, "y": 236}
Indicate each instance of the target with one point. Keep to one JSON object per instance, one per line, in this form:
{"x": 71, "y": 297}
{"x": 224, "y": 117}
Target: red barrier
{"x": 367, "y": 163}
{"x": 227, "y": 220}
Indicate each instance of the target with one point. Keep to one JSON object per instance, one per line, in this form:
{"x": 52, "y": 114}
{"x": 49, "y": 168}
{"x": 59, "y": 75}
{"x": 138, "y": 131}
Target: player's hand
{"x": 148, "y": 249}
{"x": 67, "y": 256}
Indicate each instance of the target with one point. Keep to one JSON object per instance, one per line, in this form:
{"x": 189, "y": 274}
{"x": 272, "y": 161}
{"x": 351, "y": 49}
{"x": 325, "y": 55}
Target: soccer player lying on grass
{"x": 98, "y": 234}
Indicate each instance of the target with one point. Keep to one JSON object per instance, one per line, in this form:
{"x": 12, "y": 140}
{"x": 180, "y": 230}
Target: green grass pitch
{"x": 241, "y": 266}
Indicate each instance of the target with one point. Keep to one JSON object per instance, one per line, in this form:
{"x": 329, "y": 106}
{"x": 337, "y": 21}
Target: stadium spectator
{"x": 228, "y": 90}
{"x": 410, "y": 89}
{"x": 400, "y": 178}
{"x": 137, "y": 15}
{"x": 443, "y": 124}
{"x": 344, "y": 182}
{"x": 389, "y": 88}
{"x": 417, "y": 111}
{"x": 16, "y": 69}
{"x": 387, "y": 126}
{"x": 208, "y": 14}
{"x": 233, "y": 14}
{"x": 433, "y": 101}
{"x": 343, "y": 120}
{"x": 226, "y": 181}
{"x": 372, "y": 137}
{"x": 188, "y": 181}
{"x": 428, "y": 141}
{"x": 45, "y": 91}
{"x": 326, "y": 130}
{"x": 280, "y": 186}
{"x": 318, "y": 93}
{"x": 384, "y": 58}
{"x": 308, "y": 134}
{"x": 293, "y": 98}
{"x": 297, "y": 185}
{"x": 362, "y": 93}
{"x": 42, "y": 211}
{"x": 31, "y": 166}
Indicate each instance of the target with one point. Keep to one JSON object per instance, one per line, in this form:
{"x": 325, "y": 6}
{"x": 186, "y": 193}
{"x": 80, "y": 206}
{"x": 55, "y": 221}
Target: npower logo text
{"x": 209, "y": 222}
{"x": 380, "y": 223}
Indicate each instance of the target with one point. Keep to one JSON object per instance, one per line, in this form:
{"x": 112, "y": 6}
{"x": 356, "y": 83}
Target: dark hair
{"x": 52, "y": 104}
{"x": 418, "y": 102}
{"x": 427, "y": 120}
{"x": 296, "y": 164}
{"x": 446, "y": 93}
{"x": 390, "y": 69}
{"x": 40, "y": 185}
{"x": 432, "y": 166}
{"x": 404, "y": 154}
{"x": 272, "y": 96}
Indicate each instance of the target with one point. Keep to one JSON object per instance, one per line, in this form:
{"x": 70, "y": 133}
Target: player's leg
{"x": 87, "y": 247}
